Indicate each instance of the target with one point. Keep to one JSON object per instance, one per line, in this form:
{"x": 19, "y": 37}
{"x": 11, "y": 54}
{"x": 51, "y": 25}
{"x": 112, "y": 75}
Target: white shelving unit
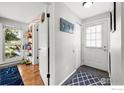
{"x": 31, "y": 43}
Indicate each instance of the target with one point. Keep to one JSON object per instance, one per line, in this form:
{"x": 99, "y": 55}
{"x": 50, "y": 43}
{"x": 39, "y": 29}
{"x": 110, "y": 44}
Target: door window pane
{"x": 93, "y": 43}
{"x": 88, "y": 36}
{"x": 98, "y": 36}
{"x": 94, "y": 36}
{"x": 93, "y": 30}
{"x": 88, "y": 31}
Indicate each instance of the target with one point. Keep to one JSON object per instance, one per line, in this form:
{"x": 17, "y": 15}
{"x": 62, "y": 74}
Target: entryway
{"x": 96, "y": 43}
{"x": 86, "y": 75}
{"x": 94, "y": 68}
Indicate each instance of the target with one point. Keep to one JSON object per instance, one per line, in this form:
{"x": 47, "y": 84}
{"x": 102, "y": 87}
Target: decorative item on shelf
{"x": 30, "y": 40}
{"x": 30, "y": 28}
{"x": 30, "y": 54}
{"x": 25, "y": 34}
{"x": 25, "y": 46}
{"x": 28, "y": 46}
{"x": 26, "y": 61}
{"x": 29, "y": 34}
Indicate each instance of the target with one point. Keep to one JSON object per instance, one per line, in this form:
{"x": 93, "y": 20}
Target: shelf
{"x": 28, "y": 44}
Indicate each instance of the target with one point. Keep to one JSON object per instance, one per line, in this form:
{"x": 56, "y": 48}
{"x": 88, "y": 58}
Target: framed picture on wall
{"x": 66, "y": 26}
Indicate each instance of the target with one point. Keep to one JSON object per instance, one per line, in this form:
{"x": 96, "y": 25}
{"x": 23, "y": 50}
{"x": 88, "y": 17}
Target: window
{"x": 12, "y": 44}
{"x": 93, "y": 36}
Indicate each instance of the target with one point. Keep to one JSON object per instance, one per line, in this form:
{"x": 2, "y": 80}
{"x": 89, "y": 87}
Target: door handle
{"x": 105, "y": 48}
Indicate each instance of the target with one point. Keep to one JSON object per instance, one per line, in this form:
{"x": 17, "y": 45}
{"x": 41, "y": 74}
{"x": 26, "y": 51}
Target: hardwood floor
{"x": 30, "y": 74}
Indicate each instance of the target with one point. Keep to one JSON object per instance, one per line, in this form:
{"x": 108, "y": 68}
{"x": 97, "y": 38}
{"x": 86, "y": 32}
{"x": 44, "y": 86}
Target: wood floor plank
{"x": 30, "y": 74}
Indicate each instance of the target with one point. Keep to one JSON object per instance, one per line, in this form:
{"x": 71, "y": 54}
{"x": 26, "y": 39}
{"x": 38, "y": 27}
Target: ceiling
{"x": 26, "y": 12}
{"x": 95, "y": 9}
{"x": 21, "y": 11}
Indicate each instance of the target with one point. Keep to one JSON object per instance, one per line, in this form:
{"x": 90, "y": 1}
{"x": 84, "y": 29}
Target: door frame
{"x": 78, "y": 56}
{"x": 35, "y": 43}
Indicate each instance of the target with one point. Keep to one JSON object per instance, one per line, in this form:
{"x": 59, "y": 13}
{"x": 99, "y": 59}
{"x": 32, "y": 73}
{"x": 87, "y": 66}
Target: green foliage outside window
{"x": 12, "y": 42}
{"x": 10, "y": 36}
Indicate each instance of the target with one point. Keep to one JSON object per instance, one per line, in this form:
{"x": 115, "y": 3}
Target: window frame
{"x": 92, "y": 25}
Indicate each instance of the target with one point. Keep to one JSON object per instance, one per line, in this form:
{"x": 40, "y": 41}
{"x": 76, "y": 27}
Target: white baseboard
{"x": 67, "y": 77}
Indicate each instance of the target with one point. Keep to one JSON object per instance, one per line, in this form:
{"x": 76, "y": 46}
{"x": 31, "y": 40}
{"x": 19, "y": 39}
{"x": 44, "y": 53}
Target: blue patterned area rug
{"x": 10, "y": 76}
{"x": 85, "y": 79}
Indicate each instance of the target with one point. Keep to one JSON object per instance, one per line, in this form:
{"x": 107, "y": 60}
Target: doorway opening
{"x": 95, "y": 69}
{"x": 22, "y": 45}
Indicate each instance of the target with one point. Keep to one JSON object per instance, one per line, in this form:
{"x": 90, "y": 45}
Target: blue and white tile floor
{"x": 85, "y": 79}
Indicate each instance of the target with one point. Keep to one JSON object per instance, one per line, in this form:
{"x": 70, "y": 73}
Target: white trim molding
{"x": 67, "y": 77}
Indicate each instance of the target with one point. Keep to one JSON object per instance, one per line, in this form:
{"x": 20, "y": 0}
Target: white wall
{"x": 21, "y": 11}
{"x": 77, "y": 41}
{"x": 123, "y": 42}
{"x": 117, "y": 48}
{"x": 51, "y": 8}
{"x": 1, "y": 47}
{"x": 65, "y": 45}
{"x": 5, "y": 21}
{"x": 15, "y": 23}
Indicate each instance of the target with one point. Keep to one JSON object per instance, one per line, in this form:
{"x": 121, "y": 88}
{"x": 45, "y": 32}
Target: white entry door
{"x": 96, "y": 39}
{"x": 43, "y": 51}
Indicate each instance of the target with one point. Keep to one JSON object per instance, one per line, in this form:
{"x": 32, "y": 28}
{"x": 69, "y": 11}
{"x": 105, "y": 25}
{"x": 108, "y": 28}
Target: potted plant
{"x": 25, "y": 61}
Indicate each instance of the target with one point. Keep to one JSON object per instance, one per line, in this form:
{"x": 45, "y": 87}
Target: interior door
{"x": 96, "y": 39}
{"x": 43, "y": 51}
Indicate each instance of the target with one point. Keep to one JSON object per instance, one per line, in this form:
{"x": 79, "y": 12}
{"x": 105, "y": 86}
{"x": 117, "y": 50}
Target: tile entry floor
{"x": 86, "y": 75}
